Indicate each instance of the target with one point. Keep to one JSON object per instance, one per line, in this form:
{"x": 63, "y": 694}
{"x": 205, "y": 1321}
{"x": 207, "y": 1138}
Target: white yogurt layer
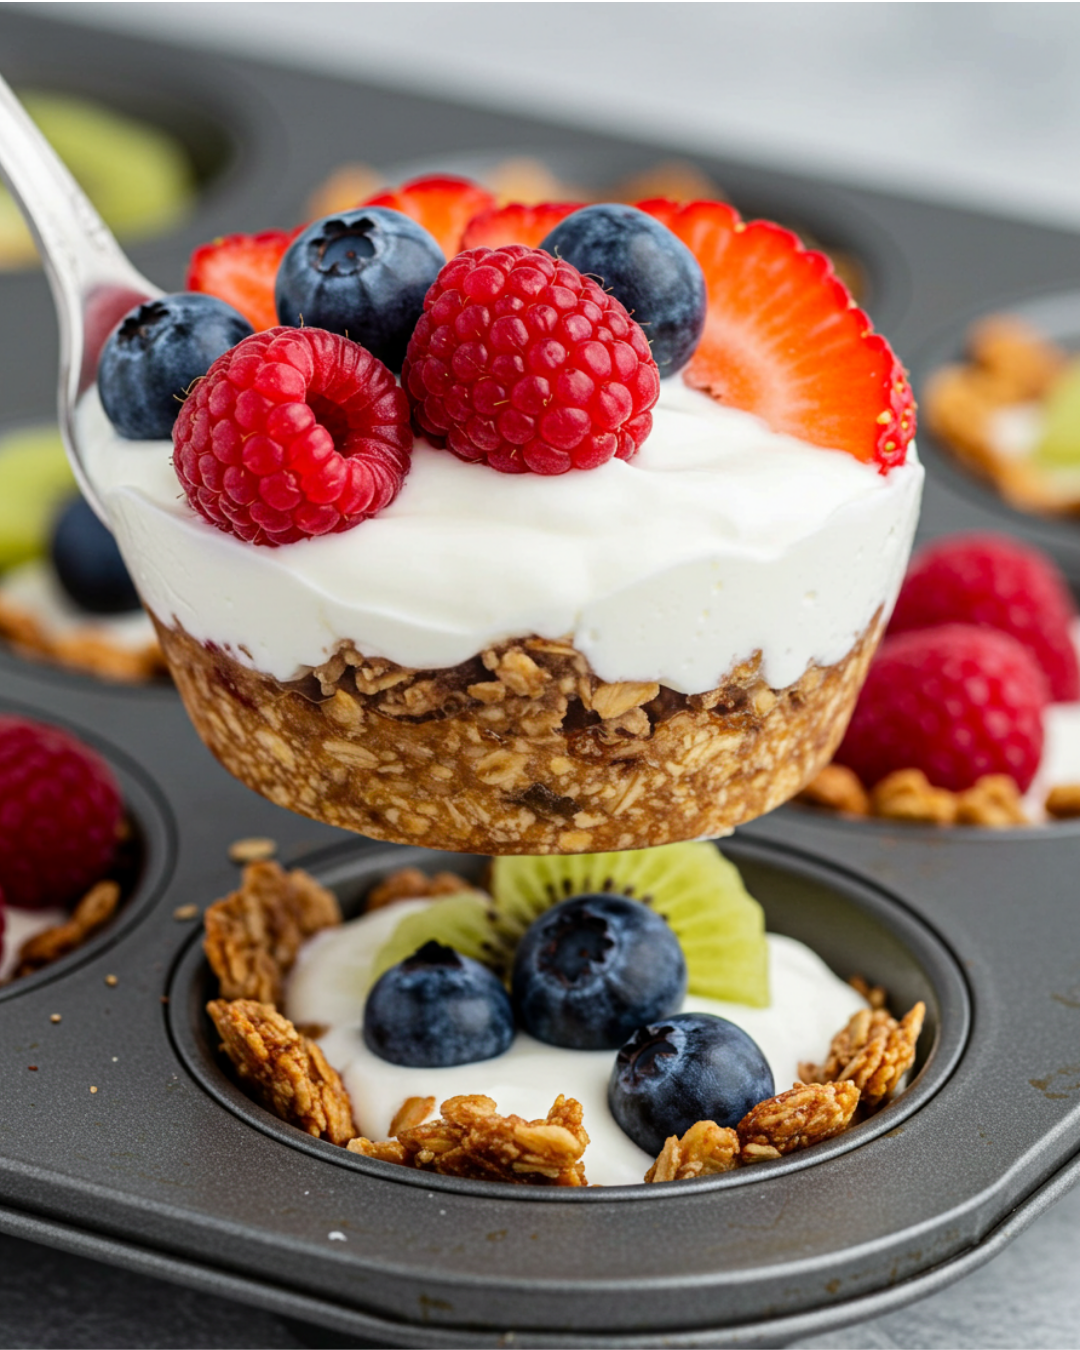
{"x": 330, "y": 980}
{"x": 720, "y": 538}
{"x": 19, "y": 926}
{"x": 34, "y": 589}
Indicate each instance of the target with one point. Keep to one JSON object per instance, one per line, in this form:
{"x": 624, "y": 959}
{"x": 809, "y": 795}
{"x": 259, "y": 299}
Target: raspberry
{"x": 521, "y": 361}
{"x": 993, "y": 581}
{"x": 59, "y": 815}
{"x": 293, "y": 433}
{"x": 955, "y": 701}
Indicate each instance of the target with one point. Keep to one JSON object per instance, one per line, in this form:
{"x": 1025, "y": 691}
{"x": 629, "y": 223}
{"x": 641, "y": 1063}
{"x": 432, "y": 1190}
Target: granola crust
{"x": 471, "y": 1139}
{"x": 254, "y": 934}
{"x": 522, "y": 750}
{"x": 285, "y": 1069}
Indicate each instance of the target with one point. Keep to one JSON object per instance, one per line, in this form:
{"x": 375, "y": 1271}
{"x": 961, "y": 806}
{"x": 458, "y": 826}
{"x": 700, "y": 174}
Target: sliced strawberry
{"x": 443, "y": 205}
{"x": 516, "y": 224}
{"x": 240, "y": 269}
{"x": 838, "y": 385}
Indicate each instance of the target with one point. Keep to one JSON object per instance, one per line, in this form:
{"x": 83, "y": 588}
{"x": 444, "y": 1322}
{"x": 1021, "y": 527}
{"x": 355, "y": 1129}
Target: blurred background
{"x": 975, "y": 106}
{"x": 969, "y": 103}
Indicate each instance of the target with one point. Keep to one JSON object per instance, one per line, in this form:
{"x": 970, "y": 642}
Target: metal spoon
{"x": 93, "y": 283}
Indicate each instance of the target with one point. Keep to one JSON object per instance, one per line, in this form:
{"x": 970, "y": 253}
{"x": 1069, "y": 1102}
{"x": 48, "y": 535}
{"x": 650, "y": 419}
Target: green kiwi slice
{"x": 34, "y": 481}
{"x": 1059, "y": 445}
{"x": 702, "y": 896}
{"x": 465, "y": 922}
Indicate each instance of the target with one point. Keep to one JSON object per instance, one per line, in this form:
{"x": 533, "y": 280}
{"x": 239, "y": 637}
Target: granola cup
{"x": 520, "y": 750}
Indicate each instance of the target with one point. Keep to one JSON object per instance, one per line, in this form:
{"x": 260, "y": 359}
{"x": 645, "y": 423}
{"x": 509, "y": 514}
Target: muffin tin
{"x": 168, "y": 1168}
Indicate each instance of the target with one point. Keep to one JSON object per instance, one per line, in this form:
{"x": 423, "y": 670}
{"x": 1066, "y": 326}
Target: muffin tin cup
{"x": 855, "y": 928}
{"x": 169, "y": 1169}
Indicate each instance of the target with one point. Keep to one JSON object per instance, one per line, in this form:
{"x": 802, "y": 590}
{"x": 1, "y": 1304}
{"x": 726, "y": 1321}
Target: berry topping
{"x": 515, "y": 224}
{"x": 59, "y": 815}
{"x": 437, "y": 1008}
{"x": 686, "y": 1068}
{"x": 521, "y": 361}
{"x": 442, "y": 204}
{"x": 839, "y": 386}
{"x": 88, "y": 562}
{"x": 992, "y": 580}
{"x": 641, "y": 263}
{"x": 295, "y": 432}
{"x": 593, "y": 968}
{"x": 240, "y": 269}
{"x": 955, "y": 701}
{"x": 156, "y": 353}
{"x": 362, "y": 274}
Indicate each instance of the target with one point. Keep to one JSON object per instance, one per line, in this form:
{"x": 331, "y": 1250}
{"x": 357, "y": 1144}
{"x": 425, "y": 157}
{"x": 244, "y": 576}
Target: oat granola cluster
{"x": 252, "y": 940}
{"x": 521, "y": 750}
{"x": 1009, "y": 364}
{"x": 86, "y": 649}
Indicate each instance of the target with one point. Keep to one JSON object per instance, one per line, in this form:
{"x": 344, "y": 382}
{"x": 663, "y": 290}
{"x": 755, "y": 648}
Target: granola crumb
{"x": 93, "y": 910}
{"x": 253, "y": 850}
{"x": 55, "y": 1017}
{"x": 93, "y": 1090}
{"x": 410, "y": 883}
{"x": 286, "y": 1070}
{"x": 254, "y": 934}
{"x": 994, "y": 802}
{"x": 183, "y": 913}
{"x": 838, "y": 789}
{"x": 908, "y": 794}
{"x": 112, "y": 981}
{"x": 1063, "y": 801}
{"x": 807, "y": 1114}
{"x": 470, "y": 1139}
{"x": 873, "y": 1052}
{"x": 704, "y": 1150}
{"x": 874, "y": 994}
{"x": 413, "y": 1111}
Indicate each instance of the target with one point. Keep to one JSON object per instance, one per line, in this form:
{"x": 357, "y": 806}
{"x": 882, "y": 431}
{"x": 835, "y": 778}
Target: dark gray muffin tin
{"x": 168, "y": 1168}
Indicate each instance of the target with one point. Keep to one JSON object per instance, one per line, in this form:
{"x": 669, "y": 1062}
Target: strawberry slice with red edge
{"x": 240, "y": 269}
{"x": 838, "y": 385}
{"x": 516, "y": 223}
{"x": 442, "y": 204}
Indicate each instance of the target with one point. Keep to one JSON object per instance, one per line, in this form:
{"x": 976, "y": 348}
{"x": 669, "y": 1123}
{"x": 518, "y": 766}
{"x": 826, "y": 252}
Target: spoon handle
{"x": 93, "y": 283}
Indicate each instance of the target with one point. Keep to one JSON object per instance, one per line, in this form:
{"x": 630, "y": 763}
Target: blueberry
{"x": 675, "y": 1072}
{"x": 642, "y": 263}
{"x": 591, "y": 969}
{"x": 88, "y": 563}
{"x": 437, "y": 1008}
{"x": 155, "y": 353}
{"x": 363, "y": 274}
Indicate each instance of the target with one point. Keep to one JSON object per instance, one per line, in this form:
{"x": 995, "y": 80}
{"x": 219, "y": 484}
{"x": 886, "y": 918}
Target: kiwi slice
{"x": 702, "y": 896}
{"x": 1059, "y": 445}
{"x": 138, "y": 176}
{"x": 465, "y": 922}
{"x": 35, "y": 480}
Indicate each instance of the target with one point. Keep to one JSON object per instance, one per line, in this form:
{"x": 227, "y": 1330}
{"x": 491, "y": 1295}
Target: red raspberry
{"x": 294, "y": 432}
{"x": 993, "y": 581}
{"x": 521, "y": 361}
{"x": 59, "y": 815}
{"x": 956, "y": 701}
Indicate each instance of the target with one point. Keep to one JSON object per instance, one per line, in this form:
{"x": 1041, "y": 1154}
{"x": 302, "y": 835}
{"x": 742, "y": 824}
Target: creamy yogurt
{"x": 720, "y": 538}
{"x": 330, "y": 980}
